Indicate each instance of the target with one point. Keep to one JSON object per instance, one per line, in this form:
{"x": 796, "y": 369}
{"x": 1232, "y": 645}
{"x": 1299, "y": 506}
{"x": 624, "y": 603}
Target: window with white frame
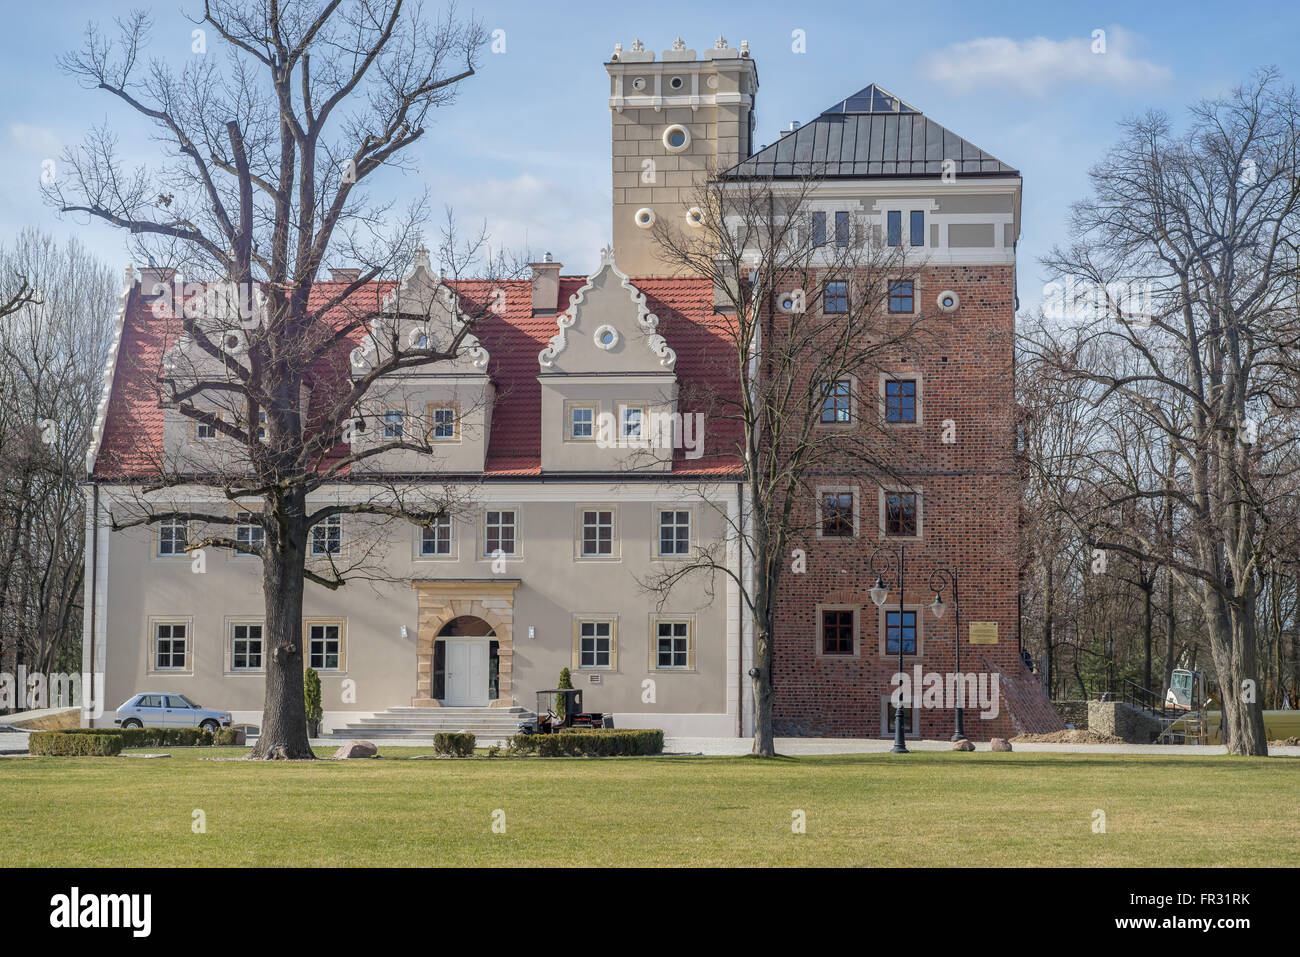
{"x": 204, "y": 431}
{"x": 500, "y": 531}
{"x": 173, "y": 537}
{"x": 249, "y": 531}
{"x": 245, "y": 647}
{"x": 170, "y": 646}
{"x": 674, "y": 531}
{"x": 261, "y": 426}
{"x": 325, "y": 646}
{"x": 327, "y": 536}
{"x": 444, "y": 423}
{"x": 595, "y": 644}
{"x": 394, "y": 424}
{"x": 435, "y": 539}
{"x": 597, "y": 532}
{"x": 631, "y": 420}
{"x": 582, "y": 422}
{"x": 672, "y": 644}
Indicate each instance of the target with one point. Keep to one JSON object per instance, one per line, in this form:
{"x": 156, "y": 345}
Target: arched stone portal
{"x": 440, "y": 604}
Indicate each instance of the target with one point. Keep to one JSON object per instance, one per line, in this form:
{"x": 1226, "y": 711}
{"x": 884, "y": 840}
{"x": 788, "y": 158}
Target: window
{"x": 248, "y": 531}
{"x": 324, "y": 647}
{"x": 842, "y": 229}
{"x": 499, "y": 532}
{"x": 173, "y": 537}
{"x": 597, "y": 532}
{"x": 444, "y": 423}
{"x": 261, "y": 426}
{"x": 674, "y": 532}
{"x": 901, "y": 516}
{"x": 595, "y": 644}
{"x": 435, "y": 539}
{"x": 169, "y": 646}
{"x": 917, "y": 227}
{"x": 900, "y": 625}
{"x": 819, "y": 229}
{"x": 837, "y": 631}
{"x": 393, "y": 424}
{"x": 837, "y": 514}
{"x": 203, "y": 431}
{"x": 327, "y": 536}
{"x": 894, "y": 227}
{"x": 836, "y": 397}
{"x": 672, "y": 644}
{"x": 900, "y": 400}
{"x": 582, "y": 422}
{"x": 630, "y": 420}
{"x": 911, "y": 717}
{"x": 245, "y": 647}
{"x": 836, "y": 299}
{"x": 901, "y": 296}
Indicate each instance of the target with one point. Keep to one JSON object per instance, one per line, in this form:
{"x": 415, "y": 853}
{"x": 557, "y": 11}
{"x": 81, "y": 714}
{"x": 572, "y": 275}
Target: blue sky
{"x": 526, "y": 147}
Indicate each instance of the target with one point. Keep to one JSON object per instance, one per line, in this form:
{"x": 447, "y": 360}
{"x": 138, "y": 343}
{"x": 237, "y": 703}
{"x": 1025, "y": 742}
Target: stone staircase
{"x": 487, "y": 724}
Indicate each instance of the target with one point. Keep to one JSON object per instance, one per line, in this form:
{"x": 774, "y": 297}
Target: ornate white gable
{"x": 605, "y": 336}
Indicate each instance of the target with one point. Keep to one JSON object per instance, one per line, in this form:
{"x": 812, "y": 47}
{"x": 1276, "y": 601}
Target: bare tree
{"x": 809, "y": 327}
{"x": 1189, "y": 242}
{"x": 53, "y": 345}
{"x": 269, "y": 148}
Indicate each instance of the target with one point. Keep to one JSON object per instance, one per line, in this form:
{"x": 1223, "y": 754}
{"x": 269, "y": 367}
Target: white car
{"x": 168, "y": 710}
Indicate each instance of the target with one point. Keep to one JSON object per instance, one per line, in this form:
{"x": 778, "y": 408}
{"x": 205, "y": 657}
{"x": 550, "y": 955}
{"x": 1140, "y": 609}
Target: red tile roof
{"x": 131, "y": 438}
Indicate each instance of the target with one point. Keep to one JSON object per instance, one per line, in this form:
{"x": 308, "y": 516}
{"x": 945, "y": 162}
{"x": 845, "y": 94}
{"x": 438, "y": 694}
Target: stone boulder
{"x": 963, "y": 745}
{"x": 999, "y": 744}
{"x": 356, "y": 749}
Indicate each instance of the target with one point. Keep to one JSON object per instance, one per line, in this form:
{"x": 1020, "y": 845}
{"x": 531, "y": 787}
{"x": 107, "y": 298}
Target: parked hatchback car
{"x": 168, "y": 710}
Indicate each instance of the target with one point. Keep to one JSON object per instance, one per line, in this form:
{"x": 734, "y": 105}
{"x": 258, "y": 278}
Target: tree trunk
{"x": 764, "y": 695}
{"x": 284, "y": 718}
{"x": 1048, "y": 610}
{"x": 1148, "y": 586}
{"x": 1170, "y": 622}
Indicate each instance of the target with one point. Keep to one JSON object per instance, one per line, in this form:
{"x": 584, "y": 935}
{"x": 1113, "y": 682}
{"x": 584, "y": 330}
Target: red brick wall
{"x": 969, "y": 517}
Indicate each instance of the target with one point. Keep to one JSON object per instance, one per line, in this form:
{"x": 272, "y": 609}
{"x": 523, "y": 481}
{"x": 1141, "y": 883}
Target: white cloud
{"x": 528, "y": 212}
{"x": 1039, "y": 65}
{"x": 35, "y": 139}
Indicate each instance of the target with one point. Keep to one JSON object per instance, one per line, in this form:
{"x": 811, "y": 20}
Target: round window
{"x": 695, "y": 217}
{"x": 675, "y": 83}
{"x": 676, "y": 138}
{"x": 645, "y": 217}
{"x": 606, "y": 337}
{"x": 638, "y": 83}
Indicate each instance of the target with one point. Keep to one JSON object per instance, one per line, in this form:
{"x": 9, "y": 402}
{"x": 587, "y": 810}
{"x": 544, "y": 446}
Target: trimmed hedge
{"x": 601, "y": 743}
{"x": 164, "y": 737}
{"x": 457, "y": 743}
{"x": 66, "y": 744}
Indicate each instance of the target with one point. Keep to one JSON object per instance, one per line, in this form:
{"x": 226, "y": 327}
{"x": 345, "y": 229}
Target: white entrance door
{"x": 467, "y": 671}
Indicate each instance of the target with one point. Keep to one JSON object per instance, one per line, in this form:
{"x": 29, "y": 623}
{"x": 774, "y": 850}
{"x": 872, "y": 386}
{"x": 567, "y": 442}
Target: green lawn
{"x": 928, "y": 808}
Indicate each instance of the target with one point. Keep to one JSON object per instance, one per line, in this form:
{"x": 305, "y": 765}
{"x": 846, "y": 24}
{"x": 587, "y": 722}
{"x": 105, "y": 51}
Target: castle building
{"x": 544, "y": 563}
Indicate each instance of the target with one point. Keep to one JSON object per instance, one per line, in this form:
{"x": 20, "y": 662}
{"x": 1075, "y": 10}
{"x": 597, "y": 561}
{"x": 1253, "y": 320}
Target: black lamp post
{"x": 938, "y": 581}
{"x": 879, "y": 592}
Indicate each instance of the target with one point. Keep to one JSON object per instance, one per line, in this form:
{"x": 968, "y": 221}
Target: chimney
{"x": 345, "y": 275}
{"x": 151, "y": 276}
{"x": 546, "y": 286}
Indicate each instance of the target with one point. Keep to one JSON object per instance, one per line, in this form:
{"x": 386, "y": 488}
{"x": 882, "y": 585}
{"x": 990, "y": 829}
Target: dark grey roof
{"x": 870, "y": 134}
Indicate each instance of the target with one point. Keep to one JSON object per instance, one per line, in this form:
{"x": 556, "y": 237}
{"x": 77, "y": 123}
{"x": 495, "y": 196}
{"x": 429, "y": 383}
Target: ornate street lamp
{"x": 939, "y": 580}
{"x": 884, "y": 560}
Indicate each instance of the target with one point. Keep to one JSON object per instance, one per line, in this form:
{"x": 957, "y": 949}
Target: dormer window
{"x": 630, "y": 421}
{"x": 443, "y": 418}
{"x": 582, "y": 422}
{"x": 394, "y": 427}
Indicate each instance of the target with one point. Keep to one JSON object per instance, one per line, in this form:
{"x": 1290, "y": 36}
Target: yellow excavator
{"x": 1199, "y": 725}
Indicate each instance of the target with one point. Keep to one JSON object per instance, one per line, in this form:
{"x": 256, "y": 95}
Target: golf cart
{"x": 560, "y": 709}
